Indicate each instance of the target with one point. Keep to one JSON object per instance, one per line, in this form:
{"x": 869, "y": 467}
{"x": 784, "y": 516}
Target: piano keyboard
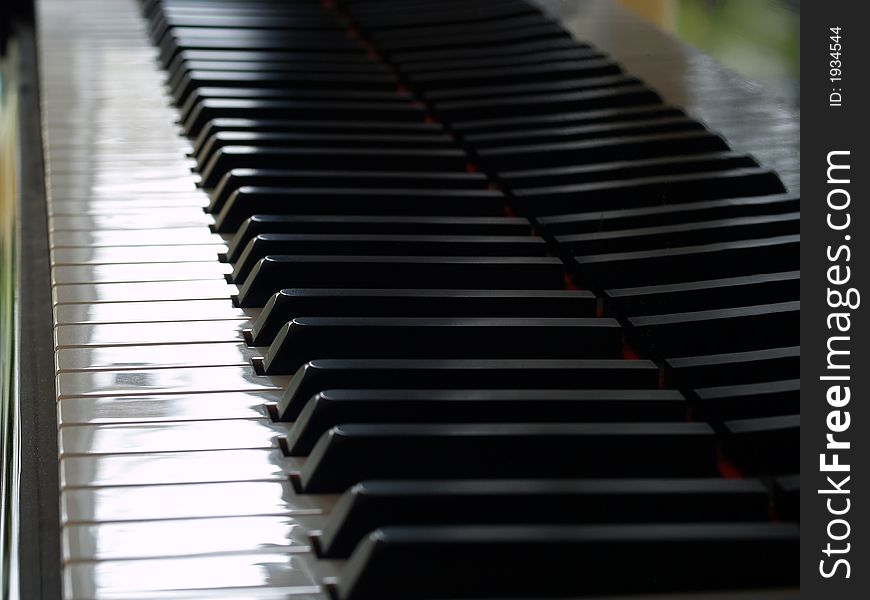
{"x": 388, "y": 299}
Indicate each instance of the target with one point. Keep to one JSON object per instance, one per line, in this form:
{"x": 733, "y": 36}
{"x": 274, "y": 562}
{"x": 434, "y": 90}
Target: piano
{"x": 398, "y": 299}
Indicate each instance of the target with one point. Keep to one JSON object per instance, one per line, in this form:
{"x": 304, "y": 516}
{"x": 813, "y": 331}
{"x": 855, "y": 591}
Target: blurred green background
{"x": 758, "y": 38}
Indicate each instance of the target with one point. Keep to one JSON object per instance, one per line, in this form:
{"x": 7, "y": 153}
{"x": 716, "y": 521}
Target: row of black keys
{"x": 449, "y": 200}
{"x": 355, "y": 435}
{"x": 714, "y": 267}
{"x": 272, "y": 138}
{"x": 279, "y": 360}
{"x": 557, "y": 535}
{"x": 352, "y": 181}
{"x": 778, "y": 307}
{"x": 304, "y": 338}
{"x": 563, "y": 199}
{"x": 664, "y": 259}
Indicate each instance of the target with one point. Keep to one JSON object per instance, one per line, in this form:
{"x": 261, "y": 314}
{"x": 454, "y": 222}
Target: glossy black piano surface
{"x": 443, "y": 302}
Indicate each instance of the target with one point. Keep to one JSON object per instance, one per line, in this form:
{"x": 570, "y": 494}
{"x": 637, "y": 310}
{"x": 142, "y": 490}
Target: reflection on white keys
{"x": 169, "y": 463}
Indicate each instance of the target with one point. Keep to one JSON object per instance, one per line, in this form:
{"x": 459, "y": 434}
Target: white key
{"x": 147, "y": 539}
{"x": 114, "y": 358}
{"x": 188, "y": 217}
{"x": 180, "y": 501}
{"x": 118, "y": 579}
{"x": 136, "y": 254}
{"x": 177, "y": 271}
{"x": 165, "y": 381}
{"x": 164, "y": 468}
{"x": 138, "y": 334}
{"x": 141, "y": 237}
{"x": 204, "y": 289}
{"x": 169, "y": 437}
{"x": 149, "y": 312}
{"x": 156, "y": 409}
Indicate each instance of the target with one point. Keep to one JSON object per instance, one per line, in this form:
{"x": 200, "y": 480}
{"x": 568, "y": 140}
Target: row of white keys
{"x": 173, "y": 485}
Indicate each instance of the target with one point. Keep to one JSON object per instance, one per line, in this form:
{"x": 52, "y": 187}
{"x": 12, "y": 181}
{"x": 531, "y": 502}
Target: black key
{"x": 733, "y": 368}
{"x": 186, "y": 59}
{"x": 200, "y": 94}
{"x": 216, "y": 20}
{"x": 400, "y": 15}
{"x": 255, "y": 125}
{"x": 749, "y": 400}
{"x": 691, "y": 263}
{"x": 308, "y": 338}
{"x": 182, "y": 68}
{"x": 277, "y": 125}
{"x": 543, "y": 561}
{"x": 595, "y": 151}
{"x": 787, "y": 497}
{"x": 437, "y": 141}
{"x": 284, "y": 306}
{"x": 549, "y": 71}
{"x": 449, "y": 39}
{"x": 384, "y": 37}
{"x": 248, "y": 201}
{"x": 383, "y": 245}
{"x": 203, "y": 95}
{"x": 494, "y": 58}
{"x": 238, "y": 178}
{"x": 578, "y": 84}
{"x": 655, "y": 190}
{"x": 703, "y": 295}
{"x": 373, "y": 504}
{"x": 298, "y": 34}
{"x": 688, "y": 163}
{"x": 242, "y": 108}
{"x": 257, "y": 40}
{"x": 681, "y": 234}
{"x": 179, "y": 31}
{"x": 399, "y": 159}
{"x": 295, "y": 30}
{"x": 348, "y": 454}
{"x": 172, "y": 37}
{"x": 275, "y": 273}
{"x": 567, "y": 119}
{"x": 170, "y": 8}
{"x": 319, "y": 375}
{"x": 467, "y": 110}
{"x": 178, "y": 13}
{"x": 230, "y": 7}
{"x": 340, "y": 407}
{"x": 764, "y": 446}
{"x": 389, "y": 15}
{"x": 668, "y": 214}
{"x": 162, "y": 28}
{"x": 719, "y": 330}
{"x": 546, "y": 135}
{"x": 193, "y": 80}
{"x": 258, "y": 224}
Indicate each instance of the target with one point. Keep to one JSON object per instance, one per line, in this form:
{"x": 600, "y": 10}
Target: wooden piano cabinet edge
{"x": 32, "y": 526}
{"x": 8, "y": 227}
